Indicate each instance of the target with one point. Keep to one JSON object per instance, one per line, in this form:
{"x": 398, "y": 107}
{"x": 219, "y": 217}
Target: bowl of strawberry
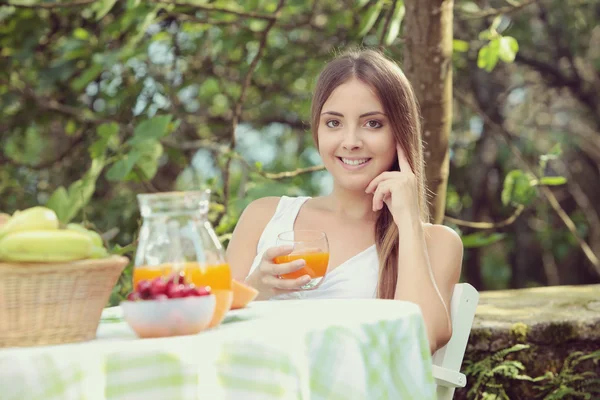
{"x": 169, "y": 306}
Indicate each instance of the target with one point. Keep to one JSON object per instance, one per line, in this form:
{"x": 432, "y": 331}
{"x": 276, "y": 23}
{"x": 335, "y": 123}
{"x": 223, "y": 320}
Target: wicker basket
{"x": 55, "y": 303}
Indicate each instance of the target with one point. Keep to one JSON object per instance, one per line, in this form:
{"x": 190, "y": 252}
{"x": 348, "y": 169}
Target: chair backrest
{"x": 462, "y": 312}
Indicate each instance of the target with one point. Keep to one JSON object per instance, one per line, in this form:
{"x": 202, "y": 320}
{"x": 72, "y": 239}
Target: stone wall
{"x": 541, "y": 343}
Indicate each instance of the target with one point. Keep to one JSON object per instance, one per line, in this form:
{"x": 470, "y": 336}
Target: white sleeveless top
{"x": 355, "y": 278}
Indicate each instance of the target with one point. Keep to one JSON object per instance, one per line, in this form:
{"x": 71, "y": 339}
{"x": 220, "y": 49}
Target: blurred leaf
{"x": 508, "y": 48}
{"x": 103, "y": 7}
{"x": 81, "y": 191}
{"x": 150, "y": 153}
{"x": 106, "y": 132}
{"x": 394, "y": 28}
{"x": 488, "y": 55}
{"x": 151, "y": 129}
{"x": 481, "y": 239}
{"x": 361, "y": 3}
{"x": 81, "y": 34}
{"x": 86, "y": 77}
{"x": 469, "y": 7}
{"x": 556, "y": 150}
{"x": 518, "y": 189}
{"x": 460, "y": 45}
{"x": 119, "y": 170}
{"x": 370, "y": 18}
{"x": 553, "y": 180}
{"x": 59, "y": 202}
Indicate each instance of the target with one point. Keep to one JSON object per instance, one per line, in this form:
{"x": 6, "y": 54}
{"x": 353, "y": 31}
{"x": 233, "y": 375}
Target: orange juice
{"x": 218, "y": 277}
{"x": 316, "y": 264}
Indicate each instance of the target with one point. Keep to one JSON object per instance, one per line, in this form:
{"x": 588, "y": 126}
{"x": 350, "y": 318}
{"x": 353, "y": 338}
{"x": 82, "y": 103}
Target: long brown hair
{"x": 400, "y": 105}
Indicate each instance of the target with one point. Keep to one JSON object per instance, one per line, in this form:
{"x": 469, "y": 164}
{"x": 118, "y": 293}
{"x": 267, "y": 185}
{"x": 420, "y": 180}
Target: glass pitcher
{"x": 176, "y": 237}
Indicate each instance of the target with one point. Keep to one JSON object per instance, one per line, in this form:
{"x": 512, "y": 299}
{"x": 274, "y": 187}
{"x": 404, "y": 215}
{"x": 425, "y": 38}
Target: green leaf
{"x": 481, "y": 239}
{"x": 103, "y": 7}
{"x": 470, "y": 7}
{"x": 150, "y": 153}
{"x": 556, "y": 150}
{"x": 81, "y": 191}
{"x": 518, "y": 189}
{"x": 106, "y": 132}
{"x": 361, "y": 3}
{"x": 553, "y": 180}
{"x": 460, "y": 46}
{"x": 394, "y": 28}
{"x": 151, "y": 129}
{"x": 370, "y": 18}
{"x": 81, "y": 34}
{"x": 488, "y": 55}
{"x": 119, "y": 170}
{"x": 508, "y": 48}
{"x": 59, "y": 203}
{"x": 86, "y": 77}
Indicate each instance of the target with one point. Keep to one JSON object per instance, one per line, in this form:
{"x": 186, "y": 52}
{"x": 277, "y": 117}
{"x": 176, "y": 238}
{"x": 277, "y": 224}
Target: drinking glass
{"x": 311, "y": 246}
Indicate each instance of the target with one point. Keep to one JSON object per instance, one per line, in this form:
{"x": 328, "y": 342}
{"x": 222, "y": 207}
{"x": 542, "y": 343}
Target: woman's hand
{"x": 266, "y": 277}
{"x": 397, "y": 189}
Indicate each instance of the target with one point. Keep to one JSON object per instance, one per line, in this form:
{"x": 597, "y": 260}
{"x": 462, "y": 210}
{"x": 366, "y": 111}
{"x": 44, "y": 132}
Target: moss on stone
{"x": 519, "y": 332}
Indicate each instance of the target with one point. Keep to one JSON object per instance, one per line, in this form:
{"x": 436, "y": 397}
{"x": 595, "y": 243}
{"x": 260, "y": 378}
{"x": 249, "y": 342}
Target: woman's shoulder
{"x": 261, "y": 209}
{"x": 442, "y": 233}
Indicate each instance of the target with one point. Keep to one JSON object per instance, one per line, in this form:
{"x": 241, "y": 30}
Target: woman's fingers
{"x": 403, "y": 161}
{"x": 285, "y": 284}
{"x": 378, "y": 179}
{"x": 286, "y": 268}
{"x": 379, "y": 196}
{"x": 273, "y": 252}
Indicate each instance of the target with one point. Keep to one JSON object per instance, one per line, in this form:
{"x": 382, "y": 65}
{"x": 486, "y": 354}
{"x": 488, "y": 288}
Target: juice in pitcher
{"x": 218, "y": 277}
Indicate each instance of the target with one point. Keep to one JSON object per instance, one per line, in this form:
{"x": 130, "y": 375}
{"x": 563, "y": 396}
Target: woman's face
{"x": 356, "y": 141}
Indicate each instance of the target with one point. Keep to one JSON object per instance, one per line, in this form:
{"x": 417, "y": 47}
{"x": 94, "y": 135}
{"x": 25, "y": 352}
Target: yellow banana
{"x": 31, "y": 219}
{"x": 98, "y": 252}
{"x": 45, "y": 246}
{"x": 96, "y": 239}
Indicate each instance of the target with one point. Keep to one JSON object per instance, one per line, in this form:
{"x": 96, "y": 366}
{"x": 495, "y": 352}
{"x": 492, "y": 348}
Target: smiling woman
{"x": 365, "y": 123}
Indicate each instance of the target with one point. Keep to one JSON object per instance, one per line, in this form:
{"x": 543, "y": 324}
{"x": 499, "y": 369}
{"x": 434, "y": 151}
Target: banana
{"x": 45, "y": 246}
{"x": 96, "y": 239}
{"x": 31, "y": 219}
{"x": 98, "y": 252}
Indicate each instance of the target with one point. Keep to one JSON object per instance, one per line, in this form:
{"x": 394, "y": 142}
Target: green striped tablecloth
{"x": 297, "y": 349}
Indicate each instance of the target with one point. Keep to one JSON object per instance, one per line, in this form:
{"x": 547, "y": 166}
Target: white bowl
{"x": 171, "y": 317}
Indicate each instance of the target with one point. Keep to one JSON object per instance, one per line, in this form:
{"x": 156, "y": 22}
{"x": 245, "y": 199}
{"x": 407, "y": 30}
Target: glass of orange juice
{"x": 311, "y": 246}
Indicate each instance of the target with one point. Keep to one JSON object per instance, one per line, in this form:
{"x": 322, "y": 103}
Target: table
{"x": 290, "y": 349}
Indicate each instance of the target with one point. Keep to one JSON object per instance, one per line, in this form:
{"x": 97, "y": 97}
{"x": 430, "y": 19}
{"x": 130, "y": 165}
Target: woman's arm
{"x": 241, "y": 250}
{"x": 429, "y": 265}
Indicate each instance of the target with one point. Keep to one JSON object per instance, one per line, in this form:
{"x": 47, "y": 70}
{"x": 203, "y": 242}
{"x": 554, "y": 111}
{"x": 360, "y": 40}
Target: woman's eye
{"x": 374, "y": 124}
{"x": 332, "y": 123}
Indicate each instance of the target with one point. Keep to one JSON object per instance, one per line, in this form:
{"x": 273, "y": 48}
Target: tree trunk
{"x": 428, "y": 65}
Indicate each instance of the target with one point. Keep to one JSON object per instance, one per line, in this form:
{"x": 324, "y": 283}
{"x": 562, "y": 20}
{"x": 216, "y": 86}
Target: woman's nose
{"x": 351, "y": 139}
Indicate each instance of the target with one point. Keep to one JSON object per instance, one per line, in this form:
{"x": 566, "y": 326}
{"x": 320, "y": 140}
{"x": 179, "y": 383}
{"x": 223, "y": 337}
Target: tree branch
{"x": 206, "y": 7}
{"x": 238, "y": 106}
{"x": 488, "y": 225}
{"x": 292, "y": 174}
{"x": 48, "y": 6}
{"x": 493, "y": 12}
{"x": 507, "y": 136}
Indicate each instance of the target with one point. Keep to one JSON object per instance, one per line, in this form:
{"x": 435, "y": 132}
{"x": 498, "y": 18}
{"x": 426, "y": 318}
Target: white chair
{"x": 448, "y": 360}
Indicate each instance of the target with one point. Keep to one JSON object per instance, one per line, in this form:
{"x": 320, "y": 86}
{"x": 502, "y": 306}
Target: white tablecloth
{"x": 298, "y": 349}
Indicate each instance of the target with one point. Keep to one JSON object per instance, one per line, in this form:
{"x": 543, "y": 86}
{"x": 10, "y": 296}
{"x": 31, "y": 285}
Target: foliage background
{"x": 102, "y": 100}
